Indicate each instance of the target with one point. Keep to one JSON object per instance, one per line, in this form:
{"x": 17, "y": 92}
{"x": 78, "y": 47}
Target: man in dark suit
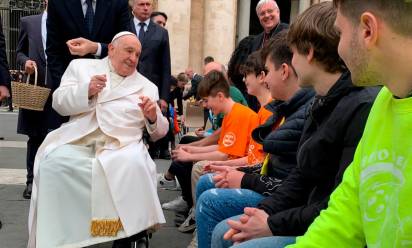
{"x": 4, "y": 68}
{"x": 269, "y": 17}
{"x": 268, "y": 13}
{"x": 4, "y": 71}
{"x": 81, "y": 28}
{"x": 30, "y": 54}
{"x": 154, "y": 62}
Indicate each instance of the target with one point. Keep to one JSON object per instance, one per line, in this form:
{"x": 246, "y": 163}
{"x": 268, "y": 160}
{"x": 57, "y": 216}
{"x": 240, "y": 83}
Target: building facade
{"x": 197, "y": 28}
{"x": 200, "y": 28}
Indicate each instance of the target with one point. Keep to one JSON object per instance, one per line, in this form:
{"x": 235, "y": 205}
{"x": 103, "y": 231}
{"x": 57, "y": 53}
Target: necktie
{"x": 89, "y": 16}
{"x": 141, "y": 31}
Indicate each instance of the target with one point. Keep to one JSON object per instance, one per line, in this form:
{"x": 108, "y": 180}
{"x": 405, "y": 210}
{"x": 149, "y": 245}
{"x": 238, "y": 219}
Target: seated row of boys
{"x": 310, "y": 141}
{"x": 333, "y": 128}
{"x": 306, "y": 158}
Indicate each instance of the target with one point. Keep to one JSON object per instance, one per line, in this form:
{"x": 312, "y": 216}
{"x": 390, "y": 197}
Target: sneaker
{"x": 189, "y": 225}
{"x": 193, "y": 243}
{"x": 164, "y": 183}
{"x": 177, "y": 204}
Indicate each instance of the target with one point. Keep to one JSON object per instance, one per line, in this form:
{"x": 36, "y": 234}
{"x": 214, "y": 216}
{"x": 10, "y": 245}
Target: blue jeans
{"x": 215, "y": 205}
{"x": 205, "y": 182}
{"x": 267, "y": 242}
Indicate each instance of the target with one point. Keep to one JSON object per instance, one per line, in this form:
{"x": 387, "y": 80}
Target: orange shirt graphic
{"x": 255, "y": 152}
{"x": 237, "y": 127}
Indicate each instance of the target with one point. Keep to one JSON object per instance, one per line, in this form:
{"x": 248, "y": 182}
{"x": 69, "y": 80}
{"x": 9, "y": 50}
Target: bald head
{"x": 214, "y": 66}
{"x": 124, "y": 54}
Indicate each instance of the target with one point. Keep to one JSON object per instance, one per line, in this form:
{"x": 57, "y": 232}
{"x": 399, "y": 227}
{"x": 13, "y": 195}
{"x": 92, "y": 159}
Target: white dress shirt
{"x": 44, "y": 31}
{"x": 137, "y": 26}
{"x": 84, "y": 6}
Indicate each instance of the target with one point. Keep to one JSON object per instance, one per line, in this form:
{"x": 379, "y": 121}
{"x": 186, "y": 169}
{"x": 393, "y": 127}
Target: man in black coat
{"x": 81, "y": 28}
{"x": 35, "y": 124}
{"x": 154, "y": 62}
{"x": 4, "y": 68}
{"x": 4, "y": 71}
{"x": 268, "y": 13}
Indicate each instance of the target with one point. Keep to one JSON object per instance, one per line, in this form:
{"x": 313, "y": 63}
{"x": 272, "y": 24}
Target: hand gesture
{"x": 96, "y": 85}
{"x": 81, "y": 46}
{"x": 149, "y": 108}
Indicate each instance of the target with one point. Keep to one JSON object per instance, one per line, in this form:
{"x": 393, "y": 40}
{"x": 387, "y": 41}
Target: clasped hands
{"x": 253, "y": 223}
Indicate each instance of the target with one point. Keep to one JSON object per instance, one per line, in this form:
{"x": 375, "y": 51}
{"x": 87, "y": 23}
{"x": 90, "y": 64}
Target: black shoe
{"x": 122, "y": 243}
{"x": 27, "y": 191}
{"x": 164, "y": 154}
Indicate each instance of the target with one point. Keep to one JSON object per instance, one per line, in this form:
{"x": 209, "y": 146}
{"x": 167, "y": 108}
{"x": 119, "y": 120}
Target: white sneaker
{"x": 189, "y": 225}
{"x": 177, "y": 204}
{"x": 164, "y": 183}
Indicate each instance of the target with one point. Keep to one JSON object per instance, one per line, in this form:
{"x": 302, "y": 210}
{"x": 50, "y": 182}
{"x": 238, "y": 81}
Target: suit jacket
{"x": 30, "y": 46}
{"x": 4, "y": 67}
{"x": 154, "y": 61}
{"x": 65, "y": 21}
{"x": 117, "y": 114}
{"x": 257, "y": 42}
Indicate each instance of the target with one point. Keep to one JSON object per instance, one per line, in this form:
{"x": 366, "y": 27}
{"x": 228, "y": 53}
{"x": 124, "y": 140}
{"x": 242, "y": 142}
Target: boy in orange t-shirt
{"x": 238, "y": 123}
{"x": 253, "y": 69}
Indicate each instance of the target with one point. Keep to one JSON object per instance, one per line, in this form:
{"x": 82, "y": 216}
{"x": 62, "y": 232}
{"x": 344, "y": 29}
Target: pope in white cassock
{"x": 94, "y": 179}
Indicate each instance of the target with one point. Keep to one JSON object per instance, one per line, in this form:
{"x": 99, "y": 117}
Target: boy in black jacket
{"x": 332, "y": 131}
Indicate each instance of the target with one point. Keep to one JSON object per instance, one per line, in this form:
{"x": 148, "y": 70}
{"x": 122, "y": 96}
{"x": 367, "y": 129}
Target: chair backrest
{"x": 193, "y": 114}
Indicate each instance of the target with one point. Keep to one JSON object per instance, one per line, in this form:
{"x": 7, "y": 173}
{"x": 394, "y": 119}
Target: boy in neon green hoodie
{"x": 372, "y": 205}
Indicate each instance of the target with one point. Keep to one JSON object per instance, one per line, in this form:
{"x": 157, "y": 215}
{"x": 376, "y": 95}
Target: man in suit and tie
{"x": 154, "y": 62}
{"x": 31, "y": 55}
{"x": 81, "y": 28}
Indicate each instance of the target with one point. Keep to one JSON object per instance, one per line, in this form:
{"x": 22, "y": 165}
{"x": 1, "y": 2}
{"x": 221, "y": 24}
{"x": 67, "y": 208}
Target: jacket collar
{"x": 128, "y": 86}
{"x": 342, "y": 87}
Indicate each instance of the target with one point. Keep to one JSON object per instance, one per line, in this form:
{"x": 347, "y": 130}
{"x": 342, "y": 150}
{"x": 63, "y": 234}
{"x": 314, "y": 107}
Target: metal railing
{"x": 11, "y": 12}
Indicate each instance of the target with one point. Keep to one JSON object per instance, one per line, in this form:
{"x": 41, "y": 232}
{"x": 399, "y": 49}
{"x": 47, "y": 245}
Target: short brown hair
{"x": 212, "y": 83}
{"x": 182, "y": 77}
{"x": 315, "y": 29}
{"x": 253, "y": 64}
{"x": 397, "y": 13}
{"x": 277, "y": 50}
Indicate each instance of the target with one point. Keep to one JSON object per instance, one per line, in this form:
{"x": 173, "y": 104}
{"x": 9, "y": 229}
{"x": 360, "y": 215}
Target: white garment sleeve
{"x": 158, "y": 129}
{"x": 72, "y": 96}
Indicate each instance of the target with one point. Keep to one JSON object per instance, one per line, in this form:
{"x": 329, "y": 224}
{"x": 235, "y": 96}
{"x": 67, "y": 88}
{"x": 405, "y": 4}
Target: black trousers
{"x": 33, "y": 145}
{"x": 183, "y": 172}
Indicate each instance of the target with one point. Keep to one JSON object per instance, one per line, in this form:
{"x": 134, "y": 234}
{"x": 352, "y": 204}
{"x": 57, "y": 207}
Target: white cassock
{"x": 94, "y": 180}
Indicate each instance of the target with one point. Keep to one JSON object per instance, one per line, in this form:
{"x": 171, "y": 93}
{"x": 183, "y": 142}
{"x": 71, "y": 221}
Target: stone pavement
{"x": 14, "y": 208}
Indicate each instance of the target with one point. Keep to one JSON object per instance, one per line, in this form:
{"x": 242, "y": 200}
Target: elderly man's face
{"x": 268, "y": 15}
{"x": 142, "y": 9}
{"x": 124, "y": 55}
